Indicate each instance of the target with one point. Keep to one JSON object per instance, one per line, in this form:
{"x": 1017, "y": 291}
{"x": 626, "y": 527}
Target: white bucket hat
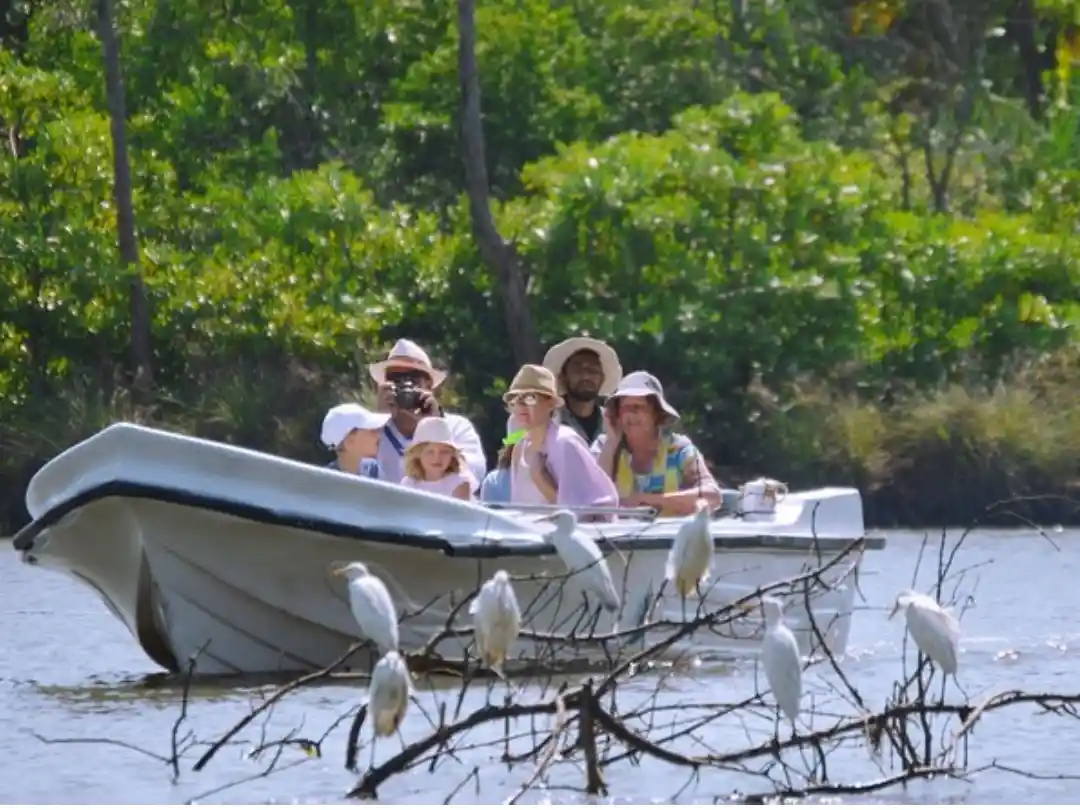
{"x": 558, "y": 354}
{"x": 433, "y": 430}
{"x": 406, "y": 355}
{"x": 341, "y": 420}
{"x": 644, "y": 384}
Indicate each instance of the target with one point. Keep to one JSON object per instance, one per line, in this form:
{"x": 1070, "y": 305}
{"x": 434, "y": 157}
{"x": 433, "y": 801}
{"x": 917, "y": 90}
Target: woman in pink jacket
{"x": 552, "y": 464}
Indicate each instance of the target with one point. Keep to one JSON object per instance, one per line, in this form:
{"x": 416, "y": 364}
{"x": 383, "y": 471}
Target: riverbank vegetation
{"x": 846, "y": 235}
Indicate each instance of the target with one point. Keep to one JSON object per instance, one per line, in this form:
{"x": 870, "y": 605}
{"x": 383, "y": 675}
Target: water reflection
{"x": 69, "y": 670}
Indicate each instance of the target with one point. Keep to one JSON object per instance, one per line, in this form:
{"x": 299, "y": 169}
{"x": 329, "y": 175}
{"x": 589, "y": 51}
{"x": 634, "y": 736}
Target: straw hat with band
{"x": 534, "y": 380}
{"x": 644, "y": 384}
{"x": 406, "y": 356}
{"x": 558, "y": 355}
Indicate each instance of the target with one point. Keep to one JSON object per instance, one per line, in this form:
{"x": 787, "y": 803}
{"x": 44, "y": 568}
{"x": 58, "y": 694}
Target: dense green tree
{"x": 881, "y": 197}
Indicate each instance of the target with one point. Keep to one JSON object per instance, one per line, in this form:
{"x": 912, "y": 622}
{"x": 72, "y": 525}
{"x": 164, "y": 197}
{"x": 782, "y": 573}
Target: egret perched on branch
{"x": 580, "y": 554}
{"x": 388, "y": 695}
{"x": 780, "y": 659}
{"x": 496, "y": 620}
{"x": 371, "y": 605}
{"x": 690, "y": 559}
{"x": 935, "y": 631}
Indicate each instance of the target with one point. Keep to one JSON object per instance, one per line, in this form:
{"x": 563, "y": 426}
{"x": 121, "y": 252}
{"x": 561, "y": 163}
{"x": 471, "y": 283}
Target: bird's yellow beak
{"x": 339, "y": 571}
{"x": 895, "y": 608}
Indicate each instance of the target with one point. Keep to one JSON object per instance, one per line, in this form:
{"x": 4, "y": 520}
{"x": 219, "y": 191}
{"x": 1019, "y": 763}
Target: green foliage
{"x": 753, "y": 200}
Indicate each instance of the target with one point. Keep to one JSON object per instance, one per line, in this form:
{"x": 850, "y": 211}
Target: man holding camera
{"x": 406, "y": 384}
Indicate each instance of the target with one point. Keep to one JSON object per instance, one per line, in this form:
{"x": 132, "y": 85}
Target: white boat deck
{"x": 133, "y": 461}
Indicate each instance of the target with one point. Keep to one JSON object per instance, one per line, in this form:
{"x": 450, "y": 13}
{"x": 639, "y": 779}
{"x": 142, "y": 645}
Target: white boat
{"x": 196, "y": 545}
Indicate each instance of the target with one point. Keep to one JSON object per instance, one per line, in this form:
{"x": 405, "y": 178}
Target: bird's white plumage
{"x": 581, "y": 555}
{"x": 780, "y": 659}
{"x": 388, "y": 695}
{"x": 689, "y": 562}
{"x": 371, "y": 606}
{"x": 935, "y": 631}
{"x": 496, "y": 620}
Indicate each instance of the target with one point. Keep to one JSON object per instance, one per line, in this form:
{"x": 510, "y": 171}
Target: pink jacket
{"x": 579, "y": 479}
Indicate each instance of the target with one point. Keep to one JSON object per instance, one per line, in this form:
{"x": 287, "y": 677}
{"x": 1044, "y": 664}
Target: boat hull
{"x": 242, "y": 597}
{"x": 220, "y": 558}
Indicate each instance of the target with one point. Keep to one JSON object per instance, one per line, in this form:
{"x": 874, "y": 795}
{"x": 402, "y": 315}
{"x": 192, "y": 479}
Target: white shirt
{"x": 522, "y": 487}
{"x": 392, "y": 458}
{"x": 444, "y": 486}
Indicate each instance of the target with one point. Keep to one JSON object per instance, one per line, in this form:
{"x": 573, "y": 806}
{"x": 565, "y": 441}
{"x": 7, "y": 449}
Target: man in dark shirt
{"x": 588, "y": 370}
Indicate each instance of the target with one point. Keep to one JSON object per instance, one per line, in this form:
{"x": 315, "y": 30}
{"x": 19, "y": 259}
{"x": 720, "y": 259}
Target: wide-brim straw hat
{"x": 534, "y": 380}
{"x": 433, "y": 430}
{"x": 644, "y": 384}
{"x": 557, "y": 355}
{"x": 406, "y": 355}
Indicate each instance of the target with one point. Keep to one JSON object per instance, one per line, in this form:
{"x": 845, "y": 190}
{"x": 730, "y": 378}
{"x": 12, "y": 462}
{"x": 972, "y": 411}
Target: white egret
{"x": 388, "y": 695}
{"x": 780, "y": 659}
{"x": 690, "y": 559}
{"x": 496, "y": 620}
{"x": 935, "y": 631}
{"x": 581, "y": 554}
{"x": 371, "y": 605}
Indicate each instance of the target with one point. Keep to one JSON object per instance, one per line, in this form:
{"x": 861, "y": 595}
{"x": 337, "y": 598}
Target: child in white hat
{"x": 434, "y": 461}
{"x": 353, "y": 433}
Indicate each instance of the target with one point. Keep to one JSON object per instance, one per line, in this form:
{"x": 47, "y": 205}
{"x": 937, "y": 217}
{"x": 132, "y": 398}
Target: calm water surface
{"x": 68, "y": 669}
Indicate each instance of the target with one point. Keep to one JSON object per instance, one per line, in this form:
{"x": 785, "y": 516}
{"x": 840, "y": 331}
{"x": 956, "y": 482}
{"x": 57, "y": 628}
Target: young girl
{"x": 434, "y": 462}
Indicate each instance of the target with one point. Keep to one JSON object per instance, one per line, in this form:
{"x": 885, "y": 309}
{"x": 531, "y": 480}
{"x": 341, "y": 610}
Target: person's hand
{"x": 635, "y": 500}
{"x": 429, "y": 406}
{"x": 534, "y": 455}
{"x": 384, "y": 400}
{"x": 611, "y": 423}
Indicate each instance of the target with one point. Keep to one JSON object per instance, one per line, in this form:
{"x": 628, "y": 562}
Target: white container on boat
{"x": 760, "y": 497}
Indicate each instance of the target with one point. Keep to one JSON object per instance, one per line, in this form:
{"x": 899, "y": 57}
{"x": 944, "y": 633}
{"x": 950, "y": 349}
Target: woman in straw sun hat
{"x": 587, "y": 370}
{"x": 649, "y": 462}
{"x": 551, "y": 464}
{"x": 435, "y": 463}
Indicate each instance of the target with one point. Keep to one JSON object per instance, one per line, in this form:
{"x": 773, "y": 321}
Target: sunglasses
{"x": 522, "y": 399}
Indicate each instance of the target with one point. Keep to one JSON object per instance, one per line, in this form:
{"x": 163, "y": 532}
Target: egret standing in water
{"x": 935, "y": 631}
{"x": 781, "y": 660}
{"x": 371, "y": 606}
{"x": 580, "y": 554}
{"x": 388, "y": 696}
{"x": 689, "y": 562}
{"x": 496, "y": 620}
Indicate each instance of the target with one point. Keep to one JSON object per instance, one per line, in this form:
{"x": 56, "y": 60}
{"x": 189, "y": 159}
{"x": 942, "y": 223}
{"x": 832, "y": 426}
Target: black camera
{"x": 407, "y": 395}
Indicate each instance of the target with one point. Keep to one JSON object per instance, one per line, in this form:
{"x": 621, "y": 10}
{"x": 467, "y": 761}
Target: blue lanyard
{"x": 394, "y": 441}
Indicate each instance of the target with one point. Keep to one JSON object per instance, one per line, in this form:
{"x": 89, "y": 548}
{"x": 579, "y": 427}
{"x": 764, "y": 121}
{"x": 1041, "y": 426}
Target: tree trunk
{"x": 141, "y": 354}
{"x": 1021, "y": 27}
{"x": 499, "y": 256}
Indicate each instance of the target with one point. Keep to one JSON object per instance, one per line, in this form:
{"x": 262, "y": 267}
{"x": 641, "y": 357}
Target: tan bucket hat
{"x": 406, "y": 355}
{"x": 534, "y": 380}
{"x": 644, "y": 384}
{"x": 558, "y": 354}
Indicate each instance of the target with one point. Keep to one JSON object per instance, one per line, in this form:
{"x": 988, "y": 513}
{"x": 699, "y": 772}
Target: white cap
{"x": 341, "y": 420}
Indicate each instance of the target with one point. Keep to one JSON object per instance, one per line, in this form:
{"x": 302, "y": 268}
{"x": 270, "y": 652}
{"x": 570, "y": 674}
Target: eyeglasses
{"x": 417, "y": 377}
{"x": 521, "y": 399}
